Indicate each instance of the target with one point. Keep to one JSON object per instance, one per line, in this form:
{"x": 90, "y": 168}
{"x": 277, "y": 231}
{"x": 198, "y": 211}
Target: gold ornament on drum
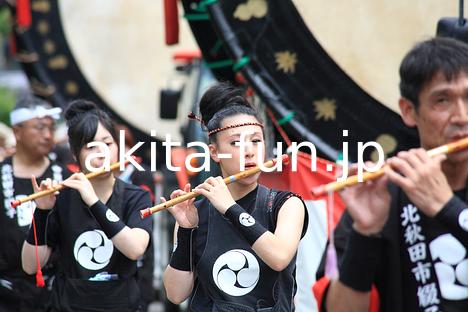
{"x": 71, "y": 88}
{"x": 42, "y": 89}
{"x": 252, "y": 8}
{"x": 43, "y": 27}
{"x": 325, "y": 109}
{"x": 49, "y": 47}
{"x": 58, "y": 62}
{"x": 286, "y": 61}
{"x": 41, "y": 6}
{"x": 388, "y": 143}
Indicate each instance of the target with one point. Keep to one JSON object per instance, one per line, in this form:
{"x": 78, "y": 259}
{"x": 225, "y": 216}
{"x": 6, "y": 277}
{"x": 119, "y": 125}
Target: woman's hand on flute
{"x": 421, "y": 178}
{"x": 368, "y": 203}
{"x": 185, "y": 213}
{"x": 79, "y": 182}
{"x": 46, "y": 202}
{"x": 217, "y": 193}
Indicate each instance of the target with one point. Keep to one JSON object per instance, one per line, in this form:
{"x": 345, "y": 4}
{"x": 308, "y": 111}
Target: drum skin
{"x": 112, "y": 53}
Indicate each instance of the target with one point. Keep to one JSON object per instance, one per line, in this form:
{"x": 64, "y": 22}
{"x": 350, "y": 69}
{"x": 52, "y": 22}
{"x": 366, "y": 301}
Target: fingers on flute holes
{"x": 201, "y": 186}
{"x": 43, "y": 185}
{"x": 175, "y": 194}
{"x": 369, "y": 164}
{"x": 55, "y": 183}
{"x": 394, "y": 176}
{"x": 353, "y": 168}
{"x": 200, "y": 190}
{"x": 76, "y": 176}
{"x": 163, "y": 200}
{"x": 404, "y": 167}
{"x": 422, "y": 154}
{"x": 414, "y": 160}
{"x": 211, "y": 181}
{"x": 402, "y": 154}
{"x": 439, "y": 159}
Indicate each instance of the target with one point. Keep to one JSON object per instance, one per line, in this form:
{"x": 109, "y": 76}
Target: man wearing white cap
{"x": 33, "y": 123}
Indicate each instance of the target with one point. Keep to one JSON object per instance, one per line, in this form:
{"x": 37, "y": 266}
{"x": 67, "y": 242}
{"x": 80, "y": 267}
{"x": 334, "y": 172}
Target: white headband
{"x": 22, "y": 114}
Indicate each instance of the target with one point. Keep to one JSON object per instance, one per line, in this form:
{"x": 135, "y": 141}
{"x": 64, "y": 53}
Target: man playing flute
{"x": 403, "y": 242}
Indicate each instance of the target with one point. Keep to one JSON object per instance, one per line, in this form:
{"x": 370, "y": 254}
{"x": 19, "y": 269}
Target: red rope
{"x": 278, "y": 127}
{"x": 39, "y": 278}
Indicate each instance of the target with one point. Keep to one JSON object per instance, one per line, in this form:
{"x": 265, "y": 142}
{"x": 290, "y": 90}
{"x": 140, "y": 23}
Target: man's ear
{"x": 408, "y": 112}
{"x": 214, "y": 152}
{"x": 17, "y": 132}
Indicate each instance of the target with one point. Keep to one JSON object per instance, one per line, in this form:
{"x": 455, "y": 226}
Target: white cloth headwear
{"x": 23, "y": 114}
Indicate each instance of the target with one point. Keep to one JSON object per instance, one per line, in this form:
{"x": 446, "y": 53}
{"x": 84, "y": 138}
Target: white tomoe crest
{"x": 236, "y": 272}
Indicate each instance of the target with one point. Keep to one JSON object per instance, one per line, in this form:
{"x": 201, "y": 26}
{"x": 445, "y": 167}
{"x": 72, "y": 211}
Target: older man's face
{"x": 442, "y": 116}
{"x": 36, "y": 136}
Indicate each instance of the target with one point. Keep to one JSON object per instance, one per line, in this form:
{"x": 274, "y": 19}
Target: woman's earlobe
{"x": 213, "y": 153}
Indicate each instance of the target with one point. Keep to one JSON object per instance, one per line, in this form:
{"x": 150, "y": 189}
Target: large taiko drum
{"x": 120, "y": 49}
{"x": 368, "y": 39}
{"x": 332, "y": 65}
{"x": 113, "y": 52}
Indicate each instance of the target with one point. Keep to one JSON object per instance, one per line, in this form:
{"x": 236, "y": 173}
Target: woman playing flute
{"x": 235, "y": 248}
{"x": 94, "y": 224}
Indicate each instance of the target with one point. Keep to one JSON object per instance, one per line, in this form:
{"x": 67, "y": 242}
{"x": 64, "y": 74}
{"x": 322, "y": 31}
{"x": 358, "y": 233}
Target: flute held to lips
{"x": 16, "y": 203}
{"x": 233, "y": 178}
{"x": 353, "y": 180}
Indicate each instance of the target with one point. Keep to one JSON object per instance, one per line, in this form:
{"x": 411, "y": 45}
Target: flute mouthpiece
{"x": 318, "y": 191}
{"x": 145, "y": 213}
{"x": 15, "y": 203}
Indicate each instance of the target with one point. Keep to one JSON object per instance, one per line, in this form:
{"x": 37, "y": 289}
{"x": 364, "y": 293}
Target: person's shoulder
{"x": 282, "y": 196}
{"x": 133, "y": 190}
{"x": 135, "y": 193}
{"x": 65, "y": 197}
{"x": 60, "y": 168}
{"x": 6, "y": 161}
{"x": 134, "y": 196}
{"x": 277, "y": 198}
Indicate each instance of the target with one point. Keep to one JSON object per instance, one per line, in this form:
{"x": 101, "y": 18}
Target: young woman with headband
{"x": 235, "y": 248}
{"x": 94, "y": 224}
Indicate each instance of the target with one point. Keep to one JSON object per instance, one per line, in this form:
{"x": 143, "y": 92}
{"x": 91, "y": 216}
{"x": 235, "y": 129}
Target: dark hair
{"x": 28, "y": 100}
{"x": 82, "y": 119}
{"x": 223, "y": 100}
{"x": 445, "y": 55}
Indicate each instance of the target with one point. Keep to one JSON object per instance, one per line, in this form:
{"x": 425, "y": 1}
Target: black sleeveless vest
{"x": 231, "y": 277}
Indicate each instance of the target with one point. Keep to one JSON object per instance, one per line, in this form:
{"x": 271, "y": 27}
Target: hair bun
{"x": 220, "y": 96}
{"x": 79, "y": 107}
